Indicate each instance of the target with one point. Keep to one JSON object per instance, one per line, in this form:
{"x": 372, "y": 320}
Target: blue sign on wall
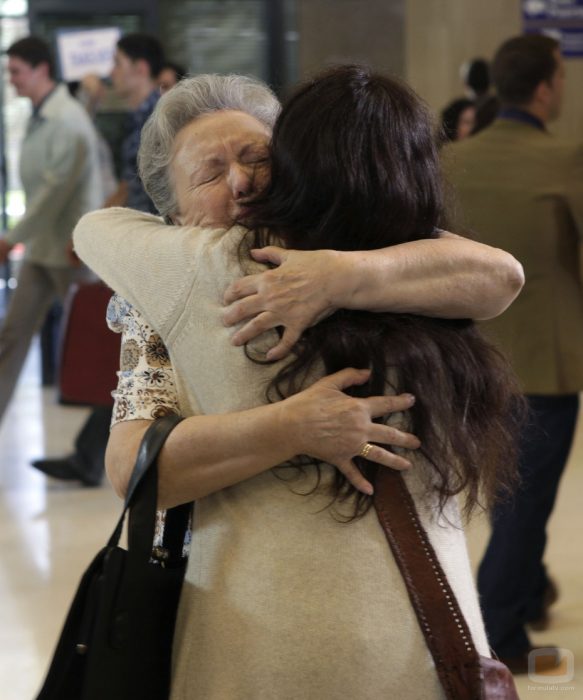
{"x": 561, "y": 19}
{"x": 555, "y": 10}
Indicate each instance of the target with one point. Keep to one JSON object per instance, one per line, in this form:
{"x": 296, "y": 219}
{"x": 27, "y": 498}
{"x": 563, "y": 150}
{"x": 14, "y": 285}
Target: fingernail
{"x": 410, "y": 398}
{"x": 368, "y": 490}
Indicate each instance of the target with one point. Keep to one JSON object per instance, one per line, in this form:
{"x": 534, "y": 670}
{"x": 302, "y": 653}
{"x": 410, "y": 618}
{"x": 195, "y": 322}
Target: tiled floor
{"x": 50, "y": 531}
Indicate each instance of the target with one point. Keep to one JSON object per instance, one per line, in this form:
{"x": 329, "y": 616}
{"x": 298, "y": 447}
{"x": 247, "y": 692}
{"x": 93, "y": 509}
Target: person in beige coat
{"x": 284, "y": 598}
{"x": 522, "y": 189}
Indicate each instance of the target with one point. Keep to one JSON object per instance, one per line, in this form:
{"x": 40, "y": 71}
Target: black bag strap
{"x": 152, "y": 442}
{"x": 175, "y": 528}
{"x": 142, "y": 494}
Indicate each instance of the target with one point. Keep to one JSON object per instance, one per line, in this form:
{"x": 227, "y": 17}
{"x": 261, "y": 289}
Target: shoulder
{"x": 557, "y": 157}
{"x": 507, "y": 141}
{"x": 455, "y": 156}
{"x": 573, "y": 168}
{"x": 123, "y": 317}
{"x": 142, "y": 113}
{"x": 456, "y": 149}
{"x": 61, "y": 105}
{"x": 107, "y": 220}
{"x": 225, "y": 252}
{"x": 576, "y": 154}
{"x": 71, "y": 121}
{"x": 569, "y": 150}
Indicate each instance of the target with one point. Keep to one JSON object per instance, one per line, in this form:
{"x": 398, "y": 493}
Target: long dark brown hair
{"x": 355, "y": 167}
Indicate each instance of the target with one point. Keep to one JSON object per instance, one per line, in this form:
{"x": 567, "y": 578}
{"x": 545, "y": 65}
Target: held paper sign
{"x": 86, "y": 51}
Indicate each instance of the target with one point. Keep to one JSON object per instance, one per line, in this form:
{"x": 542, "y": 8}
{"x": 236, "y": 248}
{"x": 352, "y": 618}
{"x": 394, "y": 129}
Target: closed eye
{"x": 204, "y": 178}
{"x": 254, "y": 159}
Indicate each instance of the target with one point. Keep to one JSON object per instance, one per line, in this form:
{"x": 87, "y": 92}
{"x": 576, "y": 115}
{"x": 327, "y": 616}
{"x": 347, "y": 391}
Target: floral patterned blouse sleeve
{"x": 146, "y": 386}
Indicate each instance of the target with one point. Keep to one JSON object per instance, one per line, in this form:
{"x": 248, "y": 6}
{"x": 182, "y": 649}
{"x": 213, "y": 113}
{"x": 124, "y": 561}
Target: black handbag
{"x": 117, "y": 638}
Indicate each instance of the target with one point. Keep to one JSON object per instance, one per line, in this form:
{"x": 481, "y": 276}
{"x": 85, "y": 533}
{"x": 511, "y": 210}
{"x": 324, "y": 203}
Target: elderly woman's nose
{"x": 241, "y": 181}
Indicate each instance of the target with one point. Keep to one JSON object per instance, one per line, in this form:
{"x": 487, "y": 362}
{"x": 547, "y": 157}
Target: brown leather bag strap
{"x": 446, "y": 632}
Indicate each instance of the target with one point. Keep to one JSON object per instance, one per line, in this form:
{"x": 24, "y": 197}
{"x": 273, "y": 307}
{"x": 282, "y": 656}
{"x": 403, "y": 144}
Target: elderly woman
{"x": 283, "y": 597}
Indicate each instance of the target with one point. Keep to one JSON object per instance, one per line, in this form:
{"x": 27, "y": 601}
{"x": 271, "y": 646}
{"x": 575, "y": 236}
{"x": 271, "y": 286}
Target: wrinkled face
{"x": 220, "y": 161}
{"x": 125, "y": 74}
{"x": 466, "y": 122}
{"x": 24, "y": 77}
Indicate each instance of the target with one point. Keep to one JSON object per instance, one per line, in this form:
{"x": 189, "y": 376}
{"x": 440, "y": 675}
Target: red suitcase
{"x": 89, "y": 351}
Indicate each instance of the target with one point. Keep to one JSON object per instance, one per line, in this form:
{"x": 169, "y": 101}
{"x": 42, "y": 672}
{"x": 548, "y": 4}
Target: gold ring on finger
{"x": 365, "y": 450}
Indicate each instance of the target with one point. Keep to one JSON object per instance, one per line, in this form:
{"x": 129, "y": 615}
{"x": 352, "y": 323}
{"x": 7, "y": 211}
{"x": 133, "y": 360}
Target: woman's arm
{"x": 141, "y": 258}
{"x": 449, "y": 277}
{"x": 207, "y": 453}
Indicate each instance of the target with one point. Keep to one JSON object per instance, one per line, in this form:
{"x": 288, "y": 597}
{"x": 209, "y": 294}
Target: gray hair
{"x": 187, "y": 100}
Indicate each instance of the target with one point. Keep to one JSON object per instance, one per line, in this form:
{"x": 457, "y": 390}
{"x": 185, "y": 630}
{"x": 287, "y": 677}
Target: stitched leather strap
{"x": 445, "y": 630}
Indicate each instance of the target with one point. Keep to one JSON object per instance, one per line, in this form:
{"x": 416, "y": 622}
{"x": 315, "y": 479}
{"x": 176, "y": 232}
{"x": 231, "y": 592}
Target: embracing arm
{"x": 449, "y": 277}
{"x": 141, "y": 258}
{"x": 207, "y": 453}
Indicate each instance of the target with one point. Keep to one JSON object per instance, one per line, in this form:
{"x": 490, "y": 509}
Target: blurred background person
{"x": 458, "y": 119}
{"x": 91, "y": 92}
{"x": 59, "y": 169}
{"x": 137, "y": 63}
{"x": 478, "y": 84}
{"x": 522, "y": 190}
{"x": 169, "y": 75}
{"x": 476, "y": 78}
